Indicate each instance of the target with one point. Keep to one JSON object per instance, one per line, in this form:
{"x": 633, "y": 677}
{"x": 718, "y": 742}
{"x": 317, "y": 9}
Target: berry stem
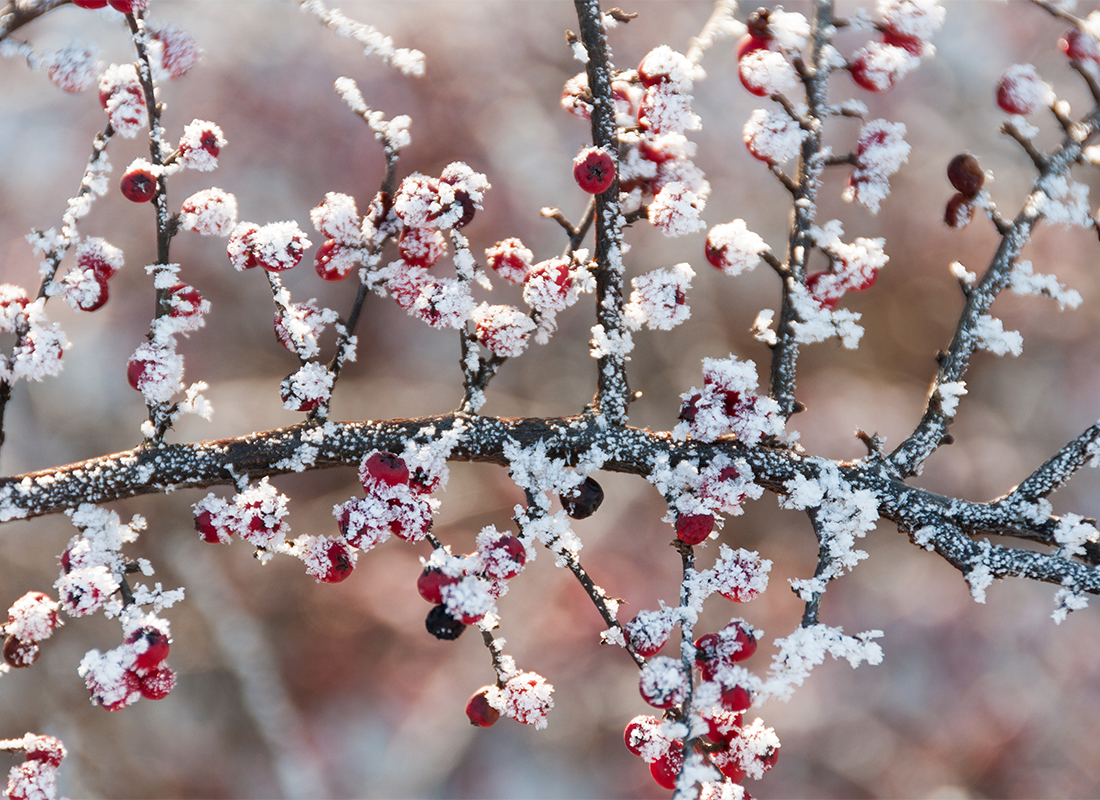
{"x": 613, "y": 392}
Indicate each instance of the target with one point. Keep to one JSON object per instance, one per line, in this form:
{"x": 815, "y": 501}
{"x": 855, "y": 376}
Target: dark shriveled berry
{"x": 583, "y": 501}
{"x": 442, "y": 625}
{"x": 965, "y": 174}
{"x": 959, "y": 211}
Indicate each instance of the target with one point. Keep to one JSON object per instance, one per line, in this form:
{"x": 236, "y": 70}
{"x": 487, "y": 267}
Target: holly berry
{"x": 156, "y": 650}
{"x": 385, "y": 468}
{"x": 594, "y": 170}
{"x": 959, "y": 211}
{"x": 583, "y": 501}
{"x": 431, "y": 582}
{"x": 478, "y": 710}
{"x": 138, "y": 185}
{"x": 965, "y": 174}
{"x": 693, "y": 529}
{"x": 442, "y": 625}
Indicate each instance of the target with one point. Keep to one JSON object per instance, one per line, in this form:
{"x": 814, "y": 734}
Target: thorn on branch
{"x": 872, "y": 441}
{"x": 619, "y": 15}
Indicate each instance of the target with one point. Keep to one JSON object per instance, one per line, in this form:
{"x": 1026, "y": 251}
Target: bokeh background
{"x": 288, "y": 688}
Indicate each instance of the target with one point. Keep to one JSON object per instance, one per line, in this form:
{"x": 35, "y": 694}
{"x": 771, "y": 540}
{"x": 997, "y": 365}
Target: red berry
{"x": 478, "y": 710}
{"x": 18, "y": 653}
{"x": 824, "y": 288}
{"x": 338, "y": 556}
{"x": 421, "y": 247}
{"x": 86, "y": 303}
{"x": 911, "y": 44}
{"x": 47, "y": 749}
{"x": 639, "y": 732}
{"x": 158, "y": 683}
{"x": 736, "y": 698}
{"x": 503, "y": 558}
{"x": 385, "y": 468}
{"x": 750, "y": 43}
{"x": 156, "y": 650}
{"x": 1079, "y": 46}
{"x": 693, "y": 529}
{"x": 594, "y": 170}
{"x": 959, "y": 211}
{"x": 135, "y": 372}
{"x": 186, "y": 302}
{"x": 667, "y": 768}
{"x": 648, "y": 632}
{"x": 723, "y": 725}
{"x": 332, "y": 261}
{"x": 736, "y": 641}
{"x": 128, "y": 6}
{"x": 89, "y": 3}
{"x": 583, "y": 501}
{"x": 431, "y": 582}
{"x": 138, "y": 185}
{"x": 204, "y": 524}
{"x": 965, "y": 174}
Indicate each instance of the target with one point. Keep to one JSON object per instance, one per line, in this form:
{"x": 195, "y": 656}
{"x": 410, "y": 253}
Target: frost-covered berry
{"x": 733, "y": 248}
{"x": 98, "y": 255}
{"x": 33, "y": 617}
{"x": 548, "y": 284}
{"x": 584, "y": 500}
{"x": 307, "y": 388}
{"x": 90, "y": 3}
{"x": 576, "y": 97}
{"x": 73, "y": 69}
{"x": 751, "y": 70}
{"x": 662, "y": 682}
{"x": 200, "y": 145}
{"x": 723, "y": 725}
{"x": 965, "y": 174}
{"x": 329, "y": 560}
{"x": 594, "y": 170}
{"x": 138, "y": 184}
{"x": 877, "y": 67}
{"x": 772, "y": 137}
{"x": 1022, "y": 91}
{"x": 740, "y": 575}
{"x": 959, "y": 210}
{"x": 442, "y": 625}
{"x": 178, "y": 51}
{"x": 85, "y": 290}
{"x": 641, "y": 737}
{"x": 662, "y": 64}
{"x": 693, "y": 529}
{"x": 240, "y": 247}
{"x": 500, "y": 556}
{"x": 151, "y": 645}
{"x": 1080, "y": 46}
{"x": 431, "y": 582}
{"x": 734, "y": 643}
{"x": 157, "y": 683}
{"x": 504, "y": 330}
{"x": 509, "y": 259}
{"x": 19, "y": 653}
{"x": 334, "y": 261}
{"x": 382, "y": 468}
{"x": 47, "y": 749}
{"x": 421, "y": 247}
{"x": 667, "y": 768}
{"x": 121, "y": 95}
{"x": 479, "y": 711}
{"x": 211, "y": 212}
{"x": 187, "y": 306}
{"x": 736, "y": 699}
{"x": 209, "y": 530}
{"x": 278, "y": 246}
{"x": 526, "y": 698}
{"x": 648, "y": 632}
{"x": 155, "y": 371}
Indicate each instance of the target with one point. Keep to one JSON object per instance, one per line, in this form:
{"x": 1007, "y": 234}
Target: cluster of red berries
{"x": 727, "y": 403}
{"x": 663, "y": 685}
{"x": 123, "y": 98}
{"x": 36, "y": 777}
{"x": 31, "y": 619}
{"x": 461, "y": 590}
{"x": 967, "y": 177}
{"x": 85, "y": 286}
{"x": 276, "y": 247}
{"x": 133, "y": 670}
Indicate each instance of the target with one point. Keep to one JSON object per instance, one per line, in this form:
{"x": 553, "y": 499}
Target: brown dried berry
{"x": 959, "y": 211}
{"x": 965, "y": 174}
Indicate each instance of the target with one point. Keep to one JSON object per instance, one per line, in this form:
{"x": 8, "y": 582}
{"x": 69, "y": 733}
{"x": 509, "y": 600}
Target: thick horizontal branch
{"x": 158, "y": 469}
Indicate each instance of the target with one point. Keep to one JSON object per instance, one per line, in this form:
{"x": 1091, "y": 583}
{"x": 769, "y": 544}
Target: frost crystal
{"x": 949, "y": 394}
{"x": 1023, "y": 280}
{"x": 211, "y": 212}
{"x": 807, "y": 647}
{"x": 525, "y": 698}
{"x": 675, "y": 210}
{"x": 990, "y": 335}
{"x": 658, "y": 299}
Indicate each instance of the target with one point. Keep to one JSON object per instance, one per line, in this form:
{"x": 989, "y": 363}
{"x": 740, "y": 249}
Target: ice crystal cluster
{"x": 734, "y": 437}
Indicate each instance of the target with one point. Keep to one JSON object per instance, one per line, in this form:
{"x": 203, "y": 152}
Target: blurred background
{"x": 287, "y": 688}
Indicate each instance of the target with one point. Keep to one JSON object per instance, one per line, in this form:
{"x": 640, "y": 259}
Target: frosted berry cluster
{"x": 36, "y": 777}
{"x": 728, "y": 403}
{"x": 135, "y": 669}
